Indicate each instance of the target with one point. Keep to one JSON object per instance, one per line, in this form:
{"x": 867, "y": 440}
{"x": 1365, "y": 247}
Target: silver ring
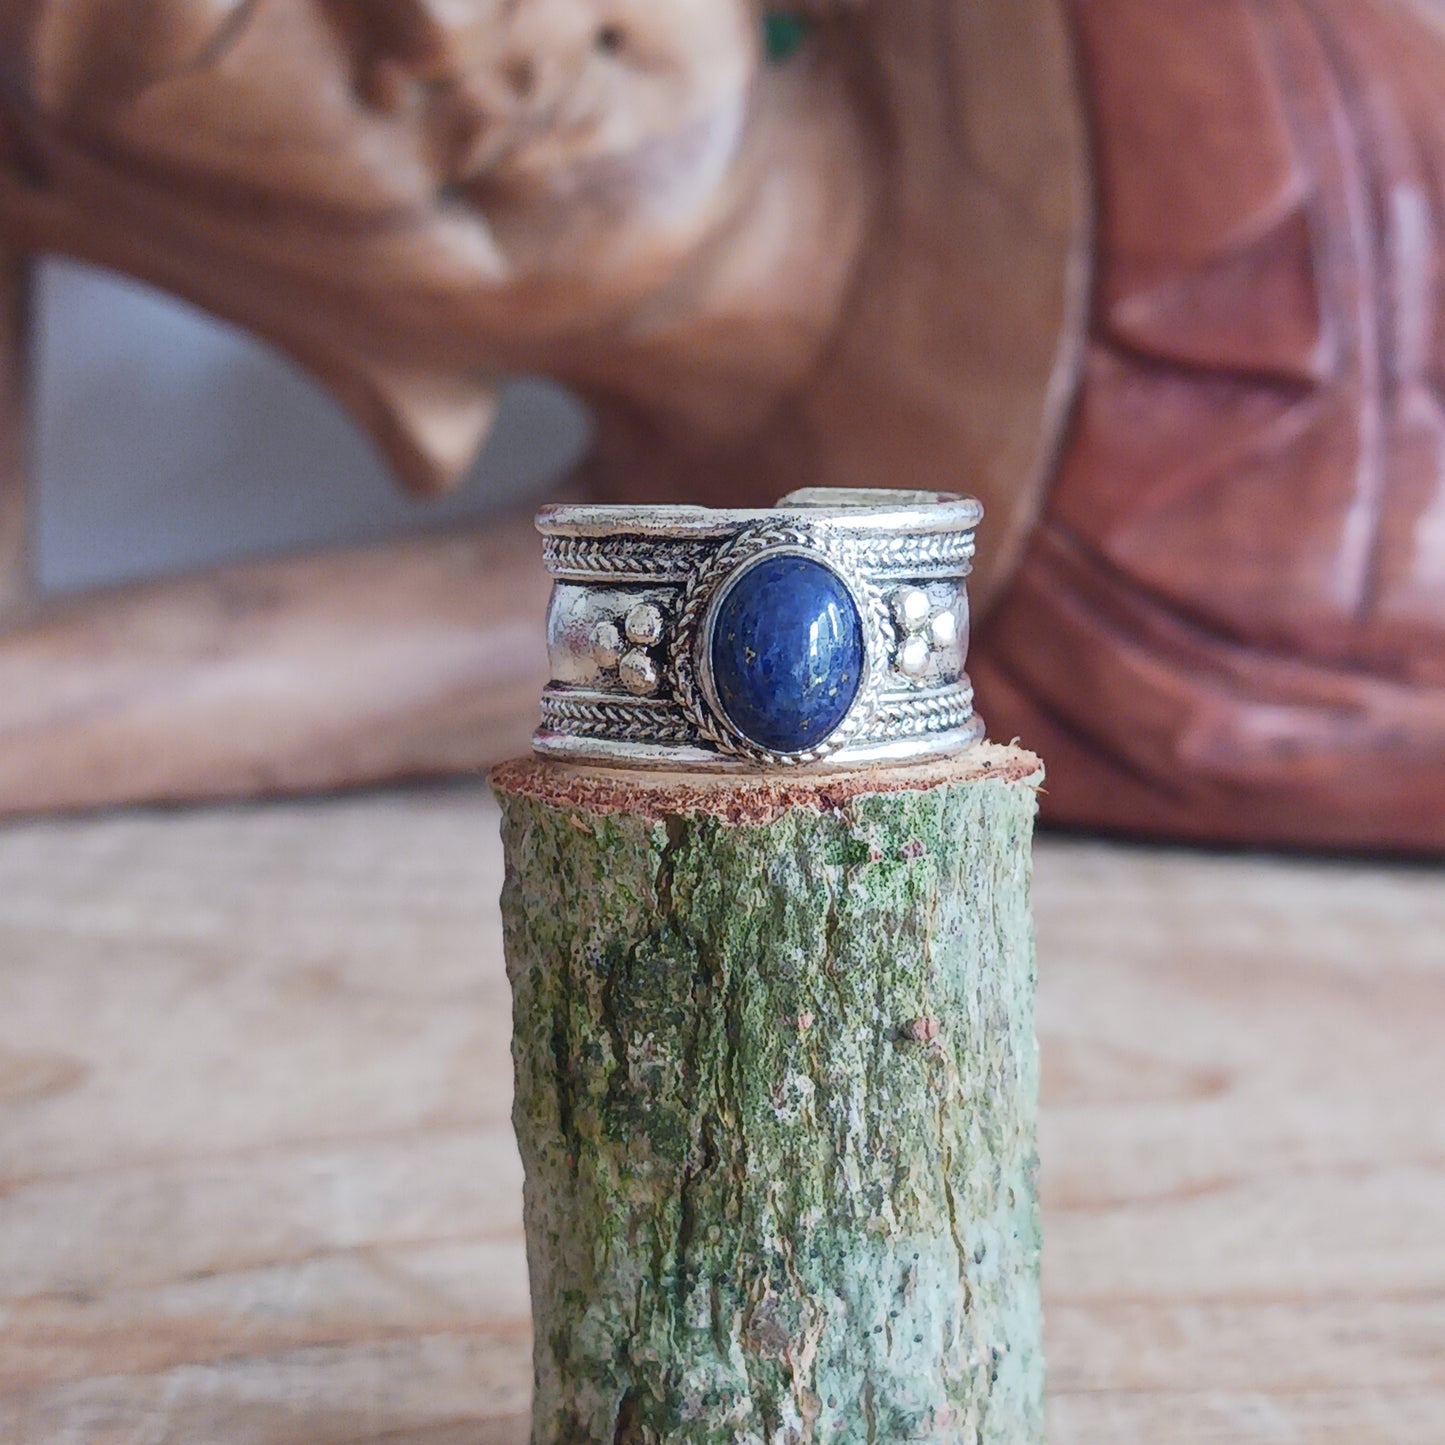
{"x": 831, "y": 630}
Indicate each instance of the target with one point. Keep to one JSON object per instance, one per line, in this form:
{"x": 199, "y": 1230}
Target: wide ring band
{"x": 831, "y": 630}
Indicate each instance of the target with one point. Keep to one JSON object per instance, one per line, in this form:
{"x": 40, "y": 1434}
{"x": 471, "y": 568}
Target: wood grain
{"x": 283, "y": 675}
{"x": 258, "y": 1184}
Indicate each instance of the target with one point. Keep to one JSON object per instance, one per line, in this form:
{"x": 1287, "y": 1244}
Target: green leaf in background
{"x": 784, "y": 33}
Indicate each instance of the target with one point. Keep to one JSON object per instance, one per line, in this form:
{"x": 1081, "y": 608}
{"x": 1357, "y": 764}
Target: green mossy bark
{"x": 776, "y": 1093}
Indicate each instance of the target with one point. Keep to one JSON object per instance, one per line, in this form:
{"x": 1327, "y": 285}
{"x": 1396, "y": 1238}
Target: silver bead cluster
{"x": 629, "y": 647}
{"x": 923, "y": 629}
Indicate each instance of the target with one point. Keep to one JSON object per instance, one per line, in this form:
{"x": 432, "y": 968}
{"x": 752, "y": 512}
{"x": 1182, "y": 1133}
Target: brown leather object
{"x": 1231, "y": 622}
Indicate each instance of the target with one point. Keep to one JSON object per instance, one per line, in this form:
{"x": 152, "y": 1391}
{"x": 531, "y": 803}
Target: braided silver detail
{"x": 938, "y": 555}
{"x": 645, "y": 559}
{"x": 907, "y": 715}
{"x": 640, "y": 721}
{"x": 622, "y": 559}
{"x": 899, "y": 716}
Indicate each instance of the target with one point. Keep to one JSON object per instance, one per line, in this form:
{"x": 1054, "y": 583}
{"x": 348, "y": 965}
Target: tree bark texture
{"x": 776, "y": 1098}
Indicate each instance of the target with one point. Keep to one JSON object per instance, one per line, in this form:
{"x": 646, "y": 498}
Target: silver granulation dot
{"x": 913, "y": 656}
{"x": 638, "y": 673}
{"x": 644, "y": 625}
{"x": 912, "y": 608}
{"x": 606, "y": 644}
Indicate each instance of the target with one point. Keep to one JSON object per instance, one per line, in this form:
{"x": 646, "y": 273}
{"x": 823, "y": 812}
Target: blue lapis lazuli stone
{"x": 787, "y": 652}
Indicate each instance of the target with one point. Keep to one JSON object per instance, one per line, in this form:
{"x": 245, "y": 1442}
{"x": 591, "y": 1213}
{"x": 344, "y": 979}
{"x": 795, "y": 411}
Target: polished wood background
{"x": 258, "y": 1184}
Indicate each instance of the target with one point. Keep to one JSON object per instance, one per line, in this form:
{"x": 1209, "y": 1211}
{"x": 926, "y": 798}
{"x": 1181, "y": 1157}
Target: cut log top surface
{"x": 750, "y": 797}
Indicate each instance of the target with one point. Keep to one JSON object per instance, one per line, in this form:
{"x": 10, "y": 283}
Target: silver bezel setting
{"x": 691, "y": 651}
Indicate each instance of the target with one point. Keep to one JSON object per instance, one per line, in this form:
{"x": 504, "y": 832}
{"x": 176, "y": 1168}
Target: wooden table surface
{"x": 257, "y": 1184}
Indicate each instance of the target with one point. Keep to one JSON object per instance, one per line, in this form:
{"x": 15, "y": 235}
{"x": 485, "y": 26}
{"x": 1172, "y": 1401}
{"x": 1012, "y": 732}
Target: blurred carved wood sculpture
{"x": 411, "y": 199}
{"x": 1158, "y": 280}
{"x": 1231, "y": 623}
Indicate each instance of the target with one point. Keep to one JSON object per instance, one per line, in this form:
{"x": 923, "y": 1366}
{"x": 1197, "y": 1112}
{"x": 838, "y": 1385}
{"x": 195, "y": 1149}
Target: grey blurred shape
{"x": 165, "y": 440}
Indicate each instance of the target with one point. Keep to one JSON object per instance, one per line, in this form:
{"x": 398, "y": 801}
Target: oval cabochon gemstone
{"x": 787, "y": 652}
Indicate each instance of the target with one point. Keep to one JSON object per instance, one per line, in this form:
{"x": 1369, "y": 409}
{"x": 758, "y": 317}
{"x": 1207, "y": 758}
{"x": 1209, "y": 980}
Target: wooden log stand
{"x": 776, "y": 1093}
